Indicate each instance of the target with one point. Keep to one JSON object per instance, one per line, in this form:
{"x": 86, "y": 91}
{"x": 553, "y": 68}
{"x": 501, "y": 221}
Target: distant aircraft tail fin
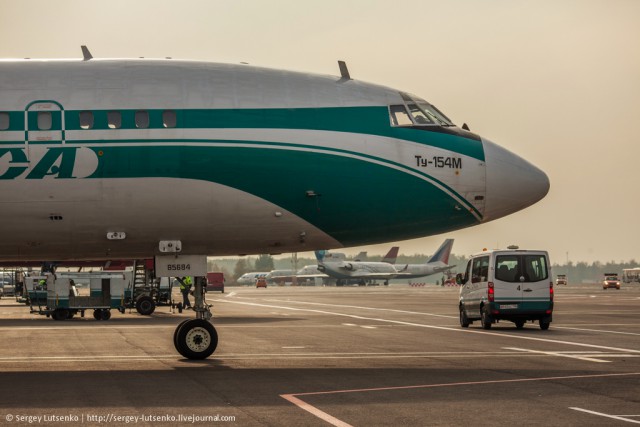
{"x": 443, "y": 252}
{"x": 362, "y": 256}
{"x": 391, "y": 256}
{"x": 320, "y": 255}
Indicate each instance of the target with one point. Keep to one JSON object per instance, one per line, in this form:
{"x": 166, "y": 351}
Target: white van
{"x": 512, "y": 285}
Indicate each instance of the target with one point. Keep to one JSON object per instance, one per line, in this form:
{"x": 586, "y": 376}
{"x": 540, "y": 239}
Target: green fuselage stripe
{"x": 405, "y": 206}
{"x": 360, "y": 120}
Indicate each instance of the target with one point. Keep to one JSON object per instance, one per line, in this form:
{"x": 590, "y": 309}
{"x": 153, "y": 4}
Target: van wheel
{"x": 464, "y": 320}
{"x": 519, "y": 324}
{"x": 544, "y": 324}
{"x": 485, "y": 319}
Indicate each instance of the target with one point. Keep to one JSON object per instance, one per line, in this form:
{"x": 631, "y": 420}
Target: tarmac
{"x": 317, "y": 356}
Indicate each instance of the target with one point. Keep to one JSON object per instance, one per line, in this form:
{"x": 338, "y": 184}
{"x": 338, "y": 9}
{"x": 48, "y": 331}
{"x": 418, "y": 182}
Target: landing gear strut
{"x": 197, "y": 338}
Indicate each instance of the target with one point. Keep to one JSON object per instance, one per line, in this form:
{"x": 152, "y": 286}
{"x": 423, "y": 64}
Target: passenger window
{"x": 169, "y": 118}
{"x": 4, "y": 121}
{"x": 467, "y": 272}
{"x": 142, "y": 119}
{"x": 86, "y": 119}
{"x": 480, "y": 270}
{"x": 507, "y": 268}
{"x": 399, "y": 116}
{"x": 114, "y": 119}
{"x": 535, "y": 268}
{"x": 44, "y": 120}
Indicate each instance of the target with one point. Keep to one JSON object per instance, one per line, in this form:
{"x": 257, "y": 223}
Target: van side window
{"x": 467, "y": 272}
{"x": 4, "y": 121}
{"x": 480, "y": 269}
{"x": 399, "y": 116}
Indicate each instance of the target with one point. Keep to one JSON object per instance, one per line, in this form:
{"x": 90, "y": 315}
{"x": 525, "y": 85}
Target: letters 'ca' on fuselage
{"x": 231, "y": 159}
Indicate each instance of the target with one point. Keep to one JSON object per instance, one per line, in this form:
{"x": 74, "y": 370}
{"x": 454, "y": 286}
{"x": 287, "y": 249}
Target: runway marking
{"x": 88, "y": 326}
{"x": 443, "y": 328}
{"x": 361, "y": 326}
{"x": 294, "y": 397}
{"x": 597, "y": 330}
{"x": 261, "y": 356}
{"x": 553, "y": 353}
{"x": 315, "y": 411}
{"x": 231, "y": 294}
{"x": 366, "y": 308}
{"x": 615, "y": 417}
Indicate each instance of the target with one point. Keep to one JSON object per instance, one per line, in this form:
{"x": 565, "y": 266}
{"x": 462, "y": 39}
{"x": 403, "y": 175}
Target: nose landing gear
{"x": 197, "y": 338}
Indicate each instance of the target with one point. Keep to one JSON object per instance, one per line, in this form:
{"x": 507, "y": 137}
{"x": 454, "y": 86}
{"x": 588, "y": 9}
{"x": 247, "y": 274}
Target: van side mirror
{"x": 459, "y": 278}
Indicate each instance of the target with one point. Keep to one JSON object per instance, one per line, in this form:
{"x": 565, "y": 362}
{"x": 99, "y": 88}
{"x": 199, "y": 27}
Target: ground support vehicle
{"x": 64, "y": 301}
{"x": 35, "y": 294}
{"x": 215, "y": 281}
{"x": 146, "y": 292}
{"x": 561, "y": 279}
{"x": 513, "y": 285}
{"x": 611, "y": 280}
{"x": 630, "y": 275}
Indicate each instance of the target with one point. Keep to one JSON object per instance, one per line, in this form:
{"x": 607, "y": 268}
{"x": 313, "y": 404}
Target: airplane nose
{"x": 512, "y": 182}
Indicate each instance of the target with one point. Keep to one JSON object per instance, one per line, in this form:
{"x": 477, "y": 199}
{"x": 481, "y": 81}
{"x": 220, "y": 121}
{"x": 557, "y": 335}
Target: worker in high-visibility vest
{"x": 42, "y": 284}
{"x": 185, "y": 287}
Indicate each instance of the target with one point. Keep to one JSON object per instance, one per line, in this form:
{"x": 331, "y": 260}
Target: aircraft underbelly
{"x": 208, "y": 218}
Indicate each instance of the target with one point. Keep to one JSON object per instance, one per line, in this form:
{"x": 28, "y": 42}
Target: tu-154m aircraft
{"x": 134, "y": 158}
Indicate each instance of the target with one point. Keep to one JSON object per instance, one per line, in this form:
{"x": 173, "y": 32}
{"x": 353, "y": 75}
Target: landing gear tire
{"x": 145, "y": 305}
{"x": 175, "y": 333}
{"x": 70, "y": 314}
{"x": 464, "y": 320}
{"x": 485, "y": 319}
{"x": 519, "y": 324}
{"x": 96, "y": 314}
{"x": 105, "y": 315}
{"x": 196, "y": 339}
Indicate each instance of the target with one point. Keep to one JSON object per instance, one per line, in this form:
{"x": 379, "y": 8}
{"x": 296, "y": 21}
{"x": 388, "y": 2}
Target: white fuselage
{"x": 226, "y": 159}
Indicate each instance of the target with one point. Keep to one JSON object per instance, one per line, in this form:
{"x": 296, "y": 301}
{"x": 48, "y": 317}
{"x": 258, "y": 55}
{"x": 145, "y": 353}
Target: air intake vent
{"x": 55, "y": 217}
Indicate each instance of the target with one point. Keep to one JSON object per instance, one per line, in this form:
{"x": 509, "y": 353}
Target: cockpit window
{"x": 424, "y": 113}
{"x": 399, "y": 116}
{"x": 419, "y": 115}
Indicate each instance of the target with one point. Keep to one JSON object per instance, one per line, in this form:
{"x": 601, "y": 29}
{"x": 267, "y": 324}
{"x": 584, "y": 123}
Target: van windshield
{"x": 521, "y": 268}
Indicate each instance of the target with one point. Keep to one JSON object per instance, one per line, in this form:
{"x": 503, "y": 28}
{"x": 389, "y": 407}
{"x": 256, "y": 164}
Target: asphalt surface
{"x": 374, "y": 356}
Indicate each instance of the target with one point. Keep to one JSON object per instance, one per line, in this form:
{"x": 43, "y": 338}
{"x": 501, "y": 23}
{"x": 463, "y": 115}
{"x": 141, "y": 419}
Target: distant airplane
{"x": 250, "y": 278}
{"x": 316, "y": 271}
{"x": 438, "y": 263}
{"x": 122, "y": 159}
{"x": 280, "y": 277}
{"x": 360, "y": 271}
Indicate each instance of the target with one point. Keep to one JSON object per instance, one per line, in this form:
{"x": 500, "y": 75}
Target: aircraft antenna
{"x": 344, "y": 71}
{"x": 85, "y": 53}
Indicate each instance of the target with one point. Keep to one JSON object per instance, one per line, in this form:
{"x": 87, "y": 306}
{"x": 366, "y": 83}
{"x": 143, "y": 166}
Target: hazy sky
{"x": 555, "y": 81}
